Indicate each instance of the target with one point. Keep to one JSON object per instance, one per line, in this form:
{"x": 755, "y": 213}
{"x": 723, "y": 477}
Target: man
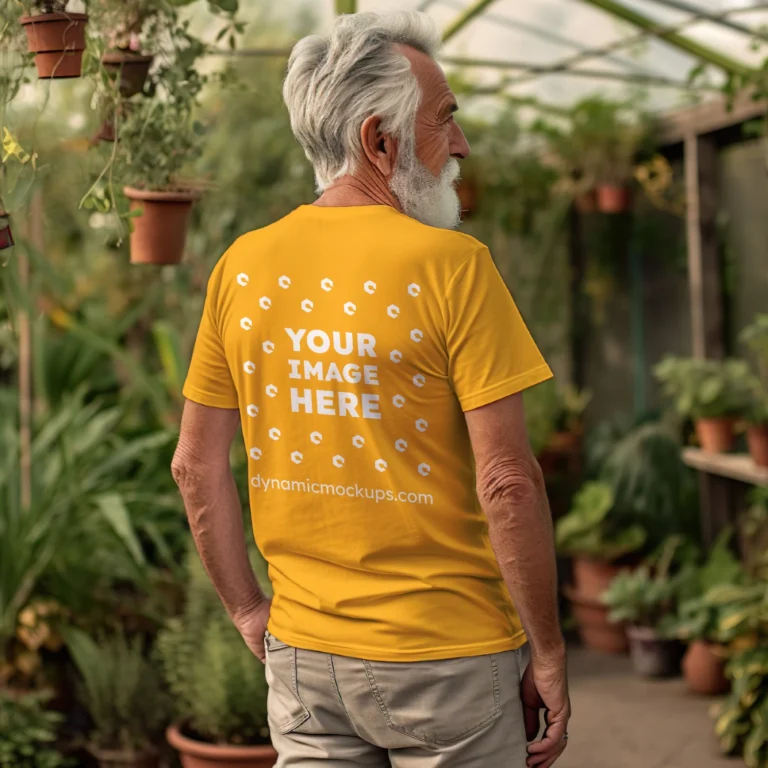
{"x": 376, "y": 360}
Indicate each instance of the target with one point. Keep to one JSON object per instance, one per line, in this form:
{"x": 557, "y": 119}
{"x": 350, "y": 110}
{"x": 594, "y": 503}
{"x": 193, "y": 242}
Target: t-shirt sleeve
{"x": 209, "y": 381}
{"x": 491, "y": 353}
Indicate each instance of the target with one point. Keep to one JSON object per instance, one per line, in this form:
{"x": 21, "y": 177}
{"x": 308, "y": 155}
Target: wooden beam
{"x": 704, "y": 272}
{"x": 712, "y": 115}
{"x": 464, "y": 18}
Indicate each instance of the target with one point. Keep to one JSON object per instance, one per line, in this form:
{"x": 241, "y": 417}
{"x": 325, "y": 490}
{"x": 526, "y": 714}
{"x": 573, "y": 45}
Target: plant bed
{"x": 160, "y": 231}
{"x": 199, "y": 754}
{"x": 58, "y": 41}
{"x": 653, "y": 654}
{"x": 595, "y": 629}
{"x": 704, "y": 669}
{"x": 131, "y": 70}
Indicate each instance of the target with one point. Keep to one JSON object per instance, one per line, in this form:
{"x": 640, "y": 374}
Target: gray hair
{"x": 335, "y": 82}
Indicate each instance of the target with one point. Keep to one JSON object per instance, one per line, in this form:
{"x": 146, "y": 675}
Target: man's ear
{"x": 379, "y": 148}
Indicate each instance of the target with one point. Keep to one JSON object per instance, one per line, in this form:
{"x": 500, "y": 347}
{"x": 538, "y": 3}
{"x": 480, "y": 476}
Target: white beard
{"x": 427, "y": 198}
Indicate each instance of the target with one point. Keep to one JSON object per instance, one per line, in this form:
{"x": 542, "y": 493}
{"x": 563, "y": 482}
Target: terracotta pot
{"x": 132, "y": 69}
{"x": 593, "y": 577}
{"x": 715, "y": 435}
{"x": 58, "y": 40}
{"x": 586, "y": 202}
{"x": 595, "y": 630}
{"x": 704, "y": 669}
{"x": 198, "y": 754}
{"x": 110, "y": 758}
{"x": 160, "y": 232}
{"x": 614, "y": 198}
{"x": 6, "y": 236}
{"x": 653, "y": 655}
{"x": 757, "y": 439}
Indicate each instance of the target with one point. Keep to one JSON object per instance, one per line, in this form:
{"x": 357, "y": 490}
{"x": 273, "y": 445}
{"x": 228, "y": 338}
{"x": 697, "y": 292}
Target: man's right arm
{"x": 511, "y": 490}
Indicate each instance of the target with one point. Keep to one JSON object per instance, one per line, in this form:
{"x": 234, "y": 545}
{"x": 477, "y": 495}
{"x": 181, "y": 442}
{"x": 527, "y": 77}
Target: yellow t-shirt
{"x": 351, "y": 340}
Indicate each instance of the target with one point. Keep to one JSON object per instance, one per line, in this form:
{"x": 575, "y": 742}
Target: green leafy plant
{"x": 591, "y": 530}
{"x": 28, "y": 732}
{"x": 755, "y": 336}
{"x": 648, "y": 595}
{"x": 550, "y": 409}
{"x": 217, "y": 683}
{"x": 706, "y": 388}
{"x": 122, "y": 691}
{"x": 742, "y": 719}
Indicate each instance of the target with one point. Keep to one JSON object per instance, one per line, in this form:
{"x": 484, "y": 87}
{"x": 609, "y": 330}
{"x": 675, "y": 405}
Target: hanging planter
{"x": 58, "y": 40}
{"x": 6, "y": 236}
{"x": 614, "y": 198}
{"x": 160, "y": 230}
{"x": 130, "y": 69}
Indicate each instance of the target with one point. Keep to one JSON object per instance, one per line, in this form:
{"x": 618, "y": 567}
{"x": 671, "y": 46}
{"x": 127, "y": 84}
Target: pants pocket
{"x": 285, "y": 709}
{"x": 437, "y": 702}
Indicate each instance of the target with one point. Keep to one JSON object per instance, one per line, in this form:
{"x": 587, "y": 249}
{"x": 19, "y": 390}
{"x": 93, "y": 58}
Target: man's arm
{"x": 201, "y": 470}
{"x": 511, "y": 490}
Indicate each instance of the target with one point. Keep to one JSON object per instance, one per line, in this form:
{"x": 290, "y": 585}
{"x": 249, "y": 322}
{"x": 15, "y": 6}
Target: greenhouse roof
{"x": 558, "y": 51}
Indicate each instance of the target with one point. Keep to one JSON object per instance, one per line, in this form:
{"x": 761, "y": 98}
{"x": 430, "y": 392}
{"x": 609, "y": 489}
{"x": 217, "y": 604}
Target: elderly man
{"x": 375, "y": 361}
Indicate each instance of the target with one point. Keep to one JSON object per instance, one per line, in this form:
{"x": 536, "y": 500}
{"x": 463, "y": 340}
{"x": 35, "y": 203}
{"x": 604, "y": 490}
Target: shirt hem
{"x": 512, "y": 643}
{"x": 507, "y": 387}
{"x": 205, "y": 398}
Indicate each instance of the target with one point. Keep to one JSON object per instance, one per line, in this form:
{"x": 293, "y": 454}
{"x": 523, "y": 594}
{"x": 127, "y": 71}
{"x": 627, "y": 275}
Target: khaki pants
{"x": 344, "y": 712}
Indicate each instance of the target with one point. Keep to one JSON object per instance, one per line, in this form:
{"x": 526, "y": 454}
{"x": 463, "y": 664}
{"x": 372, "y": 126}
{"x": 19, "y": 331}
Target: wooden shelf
{"x": 736, "y": 466}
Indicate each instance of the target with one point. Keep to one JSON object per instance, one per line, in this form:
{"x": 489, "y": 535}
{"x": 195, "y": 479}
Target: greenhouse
{"x": 613, "y": 159}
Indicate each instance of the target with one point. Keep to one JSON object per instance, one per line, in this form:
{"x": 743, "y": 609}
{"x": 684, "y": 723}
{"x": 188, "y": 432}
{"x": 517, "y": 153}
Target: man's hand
{"x": 545, "y": 686}
{"x": 252, "y": 625}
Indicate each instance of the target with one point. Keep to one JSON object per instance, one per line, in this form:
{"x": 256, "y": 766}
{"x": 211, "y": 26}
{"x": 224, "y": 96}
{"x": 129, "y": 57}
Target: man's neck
{"x": 354, "y": 190}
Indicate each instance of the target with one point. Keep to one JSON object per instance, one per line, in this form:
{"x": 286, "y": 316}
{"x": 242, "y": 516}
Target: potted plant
{"x": 597, "y": 543}
{"x": 219, "y": 686}
{"x": 755, "y": 336}
{"x": 56, "y": 37}
{"x": 700, "y": 616}
{"x": 122, "y": 693}
{"x": 713, "y": 393}
{"x": 29, "y": 732}
{"x": 645, "y": 599}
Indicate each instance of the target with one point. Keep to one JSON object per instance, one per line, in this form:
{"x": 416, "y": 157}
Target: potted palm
{"x": 700, "y": 617}
{"x": 645, "y": 600}
{"x": 122, "y": 693}
{"x": 56, "y": 37}
{"x": 597, "y": 542}
{"x": 714, "y": 393}
{"x": 219, "y": 686}
{"x": 755, "y": 336}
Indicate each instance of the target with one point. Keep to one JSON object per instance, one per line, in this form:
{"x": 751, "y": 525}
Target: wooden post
{"x": 704, "y": 272}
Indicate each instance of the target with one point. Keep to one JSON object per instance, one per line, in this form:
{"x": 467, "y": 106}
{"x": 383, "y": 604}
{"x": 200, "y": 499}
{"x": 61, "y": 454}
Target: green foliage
{"x": 550, "y": 409}
{"x": 648, "y": 595}
{"x": 590, "y": 530}
{"x": 742, "y": 719}
{"x": 122, "y": 691}
{"x": 706, "y": 388}
{"x": 28, "y": 732}
{"x": 218, "y": 685}
{"x": 755, "y": 336}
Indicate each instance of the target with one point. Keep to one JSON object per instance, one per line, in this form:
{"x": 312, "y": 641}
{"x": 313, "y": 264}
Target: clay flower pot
{"x": 595, "y": 630}
{"x": 160, "y": 232}
{"x": 614, "y": 198}
{"x": 704, "y": 669}
{"x": 198, "y": 754}
{"x": 757, "y": 439}
{"x": 586, "y": 202}
{"x": 109, "y": 758}
{"x": 593, "y": 577}
{"x": 58, "y": 40}
{"x": 715, "y": 435}
{"x": 653, "y": 655}
{"x": 131, "y": 69}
